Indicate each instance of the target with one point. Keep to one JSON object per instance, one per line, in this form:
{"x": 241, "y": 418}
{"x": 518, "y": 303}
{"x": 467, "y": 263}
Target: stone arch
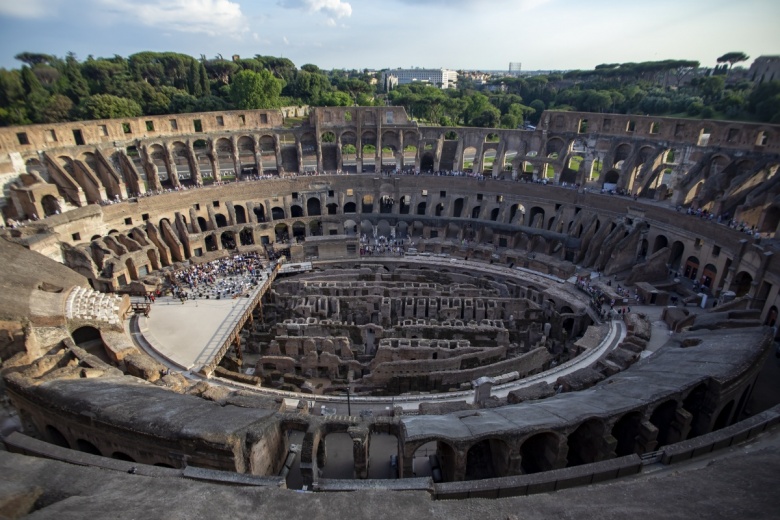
{"x": 494, "y": 214}
{"x": 626, "y": 431}
{"x": 246, "y": 237}
{"x": 119, "y": 455}
{"x": 724, "y": 416}
{"x": 405, "y": 205}
{"x": 203, "y": 224}
{"x": 487, "y": 459}
{"x": 333, "y": 208}
{"x": 708, "y": 275}
{"x": 587, "y": 443}
{"x": 299, "y": 230}
{"x": 51, "y": 206}
{"x": 87, "y": 447}
{"x": 240, "y": 214}
{"x": 426, "y": 162}
{"x": 770, "y": 220}
{"x": 368, "y": 150}
{"x": 277, "y": 213}
{"x": 612, "y": 177}
{"x": 555, "y": 148}
{"x": 693, "y": 192}
{"x": 228, "y": 240}
{"x": 220, "y": 220}
{"x": 281, "y": 232}
{"x": 336, "y": 442}
{"x": 181, "y": 161}
{"x": 268, "y": 154}
{"x": 246, "y": 155}
{"x": 536, "y": 215}
{"x": 350, "y": 207}
{"x": 350, "y": 228}
{"x": 540, "y": 452}
{"x": 211, "y": 242}
{"x": 663, "y": 418}
{"x": 457, "y": 207}
{"x": 309, "y": 151}
{"x": 348, "y": 142}
{"x": 469, "y": 158}
{"x": 691, "y": 268}
{"x": 34, "y": 166}
{"x": 296, "y": 211}
{"x": 694, "y": 403}
{"x": 54, "y": 436}
{"x": 659, "y": 243}
{"x": 157, "y": 155}
{"x": 224, "y": 150}
{"x": 313, "y": 207}
{"x": 439, "y": 210}
{"x": 382, "y": 444}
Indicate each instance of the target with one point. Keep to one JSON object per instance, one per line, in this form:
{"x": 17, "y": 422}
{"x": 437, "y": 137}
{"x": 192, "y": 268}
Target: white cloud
{"x": 212, "y": 17}
{"x": 332, "y": 8}
{"x": 28, "y": 8}
{"x": 285, "y": 40}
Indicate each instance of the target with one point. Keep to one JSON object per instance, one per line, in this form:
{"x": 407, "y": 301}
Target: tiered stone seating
{"x": 88, "y": 304}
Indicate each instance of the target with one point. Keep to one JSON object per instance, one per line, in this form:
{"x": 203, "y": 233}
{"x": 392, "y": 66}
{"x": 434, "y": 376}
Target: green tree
{"x": 34, "y": 58}
{"x": 58, "y": 108}
{"x": 509, "y": 121}
{"x": 733, "y": 57}
{"x": 106, "y": 106}
{"x": 35, "y": 96}
{"x": 252, "y": 90}
{"x": 335, "y": 99}
{"x": 73, "y": 83}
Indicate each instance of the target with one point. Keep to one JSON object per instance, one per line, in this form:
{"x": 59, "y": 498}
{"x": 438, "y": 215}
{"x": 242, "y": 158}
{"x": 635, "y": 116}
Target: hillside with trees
{"x": 50, "y": 89}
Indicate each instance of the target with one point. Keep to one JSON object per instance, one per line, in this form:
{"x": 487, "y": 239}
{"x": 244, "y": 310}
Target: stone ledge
{"x": 543, "y": 482}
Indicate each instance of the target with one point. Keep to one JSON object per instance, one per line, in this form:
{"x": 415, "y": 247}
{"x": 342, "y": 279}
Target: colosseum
{"x": 210, "y": 312}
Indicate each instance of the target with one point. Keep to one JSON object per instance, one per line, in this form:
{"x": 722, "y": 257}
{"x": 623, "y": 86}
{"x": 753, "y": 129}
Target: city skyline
{"x": 357, "y": 34}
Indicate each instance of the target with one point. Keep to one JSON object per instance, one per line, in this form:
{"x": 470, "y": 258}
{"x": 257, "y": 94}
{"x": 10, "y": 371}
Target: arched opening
{"x": 131, "y": 271}
{"x": 662, "y": 418}
{"x": 426, "y": 163}
{"x": 350, "y": 207}
{"x": 277, "y": 213}
{"x": 771, "y": 220}
{"x": 368, "y": 151}
{"x": 240, "y": 214}
{"x": 587, "y": 444}
{"x": 220, "y": 219}
{"x": 386, "y": 203}
{"x": 469, "y": 158}
{"x": 723, "y": 417}
{"x": 383, "y": 456}
{"x": 181, "y": 162}
{"x": 421, "y": 208}
{"x": 313, "y": 207}
{"x": 333, "y": 208}
{"x": 349, "y": 152}
{"x": 405, "y": 205}
{"x": 494, "y": 214}
{"x": 51, "y": 206}
{"x": 708, "y": 275}
{"x": 268, "y": 155}
{"x": 336, "y": 456}
{"x": 54, "y": 436}
{"x": 487, "y": 459}
{"x": 742, "y": 283}
{"x": 246, "y": 155}
{"x": 475, "y": 211}
{"x": 611, "y": 179}
{"x": 281, "y": 232}
{"x": 296, "y": 211}
{"x": 228, "y": 240}
{"x": 203, "y": 224}
{"x": 693, "y": 404}
{"x": 660, "y": 242}
{"x": 439, "y": 209}
{"x": 741, "y": 405}
{"x": 350, "y": 228}
{"x": 87, "y": 447}
{"x": 299, "y": 230}
{"x": 225, "y": 162}
{"x": 85, "y": 336}
{"x": 626, "y": 431}
{"x": 118, "y": 455}
{"x": 247, "y": 237}
{"x": 539, "y": 452}
{"x": 328, "y": 149}
{"x": 536, "y": 217}
{"x": 691, "y": 267}
{"x": 457, "y": 208}
{"x": 211, "y": 243}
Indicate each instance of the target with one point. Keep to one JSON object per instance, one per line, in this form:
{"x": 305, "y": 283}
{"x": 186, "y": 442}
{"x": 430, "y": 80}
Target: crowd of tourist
{"x": 381, "y": 246}
{"x": 223, "y": 278}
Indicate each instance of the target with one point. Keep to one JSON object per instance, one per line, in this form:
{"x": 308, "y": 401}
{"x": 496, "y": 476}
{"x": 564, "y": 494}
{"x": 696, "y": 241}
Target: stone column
{"x": 318, "y": 151}
{"x": 278, "y": 152}
{"x": 477, "y": 167}
{"x": 299, "y": 152}
{"x": 197, "y": 176}
{"x": 360, "y": 449}
{"x": 498, "y": 163}
{"x": 215, "y": 173}
{"x": 437, "y": 153}
{"x": 173, "y": 173}
{"x": 258, "y": 155}
{"x": 339, "y": 156}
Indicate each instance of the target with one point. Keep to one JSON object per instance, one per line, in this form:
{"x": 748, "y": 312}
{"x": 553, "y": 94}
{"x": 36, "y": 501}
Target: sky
{"x": 377, "y": 34}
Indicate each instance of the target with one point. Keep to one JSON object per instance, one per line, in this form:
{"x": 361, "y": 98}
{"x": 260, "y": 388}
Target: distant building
{"x": 442, "y": 78}
{"x": 765, "y": 68}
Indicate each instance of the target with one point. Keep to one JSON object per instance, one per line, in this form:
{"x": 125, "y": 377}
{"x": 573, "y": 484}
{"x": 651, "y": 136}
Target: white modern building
{"x": 443, "y": 78}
